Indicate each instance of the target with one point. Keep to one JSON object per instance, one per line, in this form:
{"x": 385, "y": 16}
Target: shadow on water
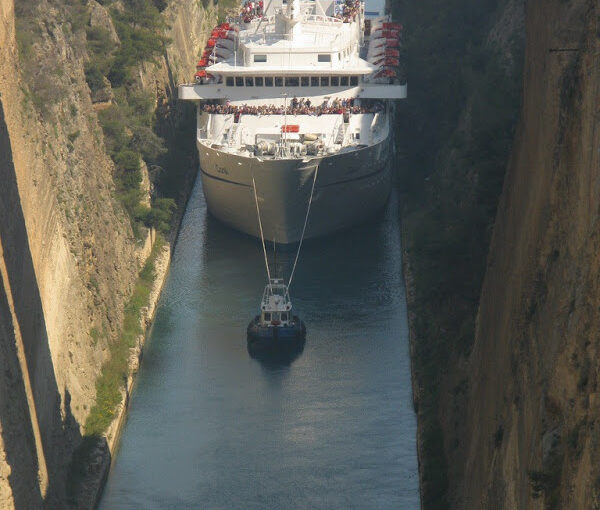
{"x": 278, "y": 357}
{"x": 328, "y": 425}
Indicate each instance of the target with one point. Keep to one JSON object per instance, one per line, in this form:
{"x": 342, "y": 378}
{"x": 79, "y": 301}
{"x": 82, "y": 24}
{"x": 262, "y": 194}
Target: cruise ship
{"x": 295, "y": 100}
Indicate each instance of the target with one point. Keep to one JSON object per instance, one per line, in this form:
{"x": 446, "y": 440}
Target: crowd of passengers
{"x": 251, "y": 10}
{"x": 349, "y": 11}
{"x": 296, "y": 107}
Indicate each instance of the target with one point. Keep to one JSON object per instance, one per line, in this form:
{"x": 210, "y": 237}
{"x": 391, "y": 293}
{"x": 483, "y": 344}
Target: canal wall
{"x": 530, "y": 438}
{"x": 507, "y": 402}
{"x": 69, "y": 257}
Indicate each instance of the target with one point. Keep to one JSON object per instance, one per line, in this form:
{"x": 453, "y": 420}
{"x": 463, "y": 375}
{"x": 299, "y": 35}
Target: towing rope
{"x": 262, "y": 237}
{"x": 312, "y": 191}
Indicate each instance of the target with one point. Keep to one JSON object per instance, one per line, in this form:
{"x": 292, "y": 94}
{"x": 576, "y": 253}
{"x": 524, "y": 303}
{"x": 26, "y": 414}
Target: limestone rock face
{"x": 531, "y": 411}
{"x": 99, "y": 17}
{"x": 68, "y": 256}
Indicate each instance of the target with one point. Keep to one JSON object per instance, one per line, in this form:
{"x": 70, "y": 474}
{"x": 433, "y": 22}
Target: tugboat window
{"x": 335, "y": 81}
{"x": 324, "y": 81}
{"x": 292, "y": 81}
{"x": 267, "y": 316}
{"x": 278, "y": 81}
{"x": 314, "y": 81}
{"x": 229, "y": 81}
{"x": 249, "y": 81}
{"x": 268, "y": 81}
{"x": 239, "y": 81}
{"x": 304, "y": 81}
{"x": 354, "y": 81}
{"x": 324, "y": 57}
{"x": 258, "y": 81}
{"x": 284, "y": 316}
{"x": 275, "y": 316}
{"x": 344, "y": 81}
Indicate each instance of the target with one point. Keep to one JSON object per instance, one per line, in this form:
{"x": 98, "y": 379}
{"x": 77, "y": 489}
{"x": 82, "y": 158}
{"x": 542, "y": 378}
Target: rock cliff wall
{"x": 68, "y": 256}
{"x": 531, "y": 410}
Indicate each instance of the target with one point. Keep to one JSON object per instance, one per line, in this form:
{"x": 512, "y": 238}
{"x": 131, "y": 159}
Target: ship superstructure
{"x": 294, "y": 105}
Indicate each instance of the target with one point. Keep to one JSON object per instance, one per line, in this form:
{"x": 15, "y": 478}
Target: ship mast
{"x": 292, "y": 19}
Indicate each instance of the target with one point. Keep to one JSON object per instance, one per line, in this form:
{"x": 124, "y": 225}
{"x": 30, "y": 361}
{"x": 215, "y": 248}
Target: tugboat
{"x": 276, "y": 327}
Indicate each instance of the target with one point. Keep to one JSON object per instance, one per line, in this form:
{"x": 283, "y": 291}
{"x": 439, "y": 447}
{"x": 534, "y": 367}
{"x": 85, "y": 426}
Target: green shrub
{"x": 159, "y": 216}
{"x": 114, "y": 371}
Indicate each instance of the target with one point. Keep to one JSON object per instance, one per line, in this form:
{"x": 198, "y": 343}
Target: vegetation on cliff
{"x": 113, "y": 50}
{"x": 456, "y": 132}
{"x": 97, "y": 80}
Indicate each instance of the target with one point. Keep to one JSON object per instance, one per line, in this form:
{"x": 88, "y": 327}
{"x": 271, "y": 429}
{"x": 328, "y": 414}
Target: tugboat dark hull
{"x": 275, "y": 337}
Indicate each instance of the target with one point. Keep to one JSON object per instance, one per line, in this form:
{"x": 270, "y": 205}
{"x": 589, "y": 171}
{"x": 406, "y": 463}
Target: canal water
{"x": 331, "y": 427}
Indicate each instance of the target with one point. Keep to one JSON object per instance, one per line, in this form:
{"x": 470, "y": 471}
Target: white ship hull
{"x": 351, "y": 186}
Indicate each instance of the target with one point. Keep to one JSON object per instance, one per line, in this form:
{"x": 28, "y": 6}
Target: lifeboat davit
{"x": 225, "y": 43}
{"x": 222, "y": 52}
{"x": 392, "y": 26}
{"x": 386, "y": 73}
{"x": 388, "y": 34}
{"x": 388, "y": 61}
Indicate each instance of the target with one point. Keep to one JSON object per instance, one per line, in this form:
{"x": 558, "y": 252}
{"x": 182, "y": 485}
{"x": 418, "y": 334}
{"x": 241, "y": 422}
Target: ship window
{"x": 249, "y": 81}
{"x": 267, "y": 316}
{"x": 292, "y": 81}
{"x": 258, "y": 81}
{"x": 335, "y": 81}
{"x": 324, "y": 57}
{"x": 284, "y": 316}
{"x": 278, "y": 81}
{"x": 344, "y": 81}
{"x": 304, "y": 81}
{"x": 229, "y": 81}
{"x": 324, "y": 81}
{"x": 275, "y": 316}
{"x": 314, "y": 81}
{"x": 268, "y": 81}
{"x": 260, "y": 58}
{"x": 239, "y": 81}
{"x": 354, "y": 81}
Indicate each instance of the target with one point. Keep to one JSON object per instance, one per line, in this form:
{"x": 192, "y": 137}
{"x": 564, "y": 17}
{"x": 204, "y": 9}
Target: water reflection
{"x": 277, "y": 357}
{"x": 326, "y": 426}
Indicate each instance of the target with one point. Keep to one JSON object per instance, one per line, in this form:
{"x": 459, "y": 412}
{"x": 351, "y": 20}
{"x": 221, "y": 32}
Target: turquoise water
{"x": 211, "y": 428}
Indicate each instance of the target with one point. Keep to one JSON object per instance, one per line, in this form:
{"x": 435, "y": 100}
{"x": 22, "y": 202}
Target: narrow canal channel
{"x": 212, "y": 428}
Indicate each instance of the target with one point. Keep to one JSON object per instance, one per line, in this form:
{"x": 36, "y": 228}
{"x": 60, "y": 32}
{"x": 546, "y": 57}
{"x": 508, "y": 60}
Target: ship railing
{"x": 266, "y": 37}
{"x": 276, "y": 287}
{"x": 323, "y": 20}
